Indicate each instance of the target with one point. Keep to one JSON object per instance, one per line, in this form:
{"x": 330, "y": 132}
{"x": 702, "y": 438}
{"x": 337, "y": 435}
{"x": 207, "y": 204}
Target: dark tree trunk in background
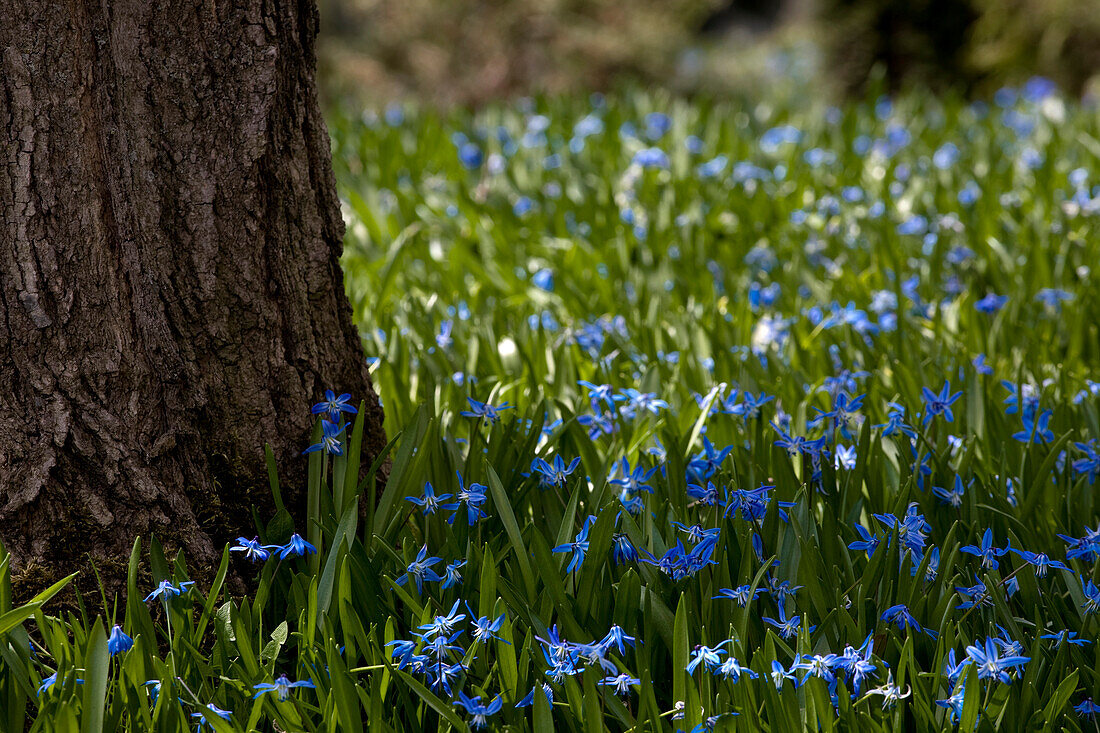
{"x": 170, "y": 291}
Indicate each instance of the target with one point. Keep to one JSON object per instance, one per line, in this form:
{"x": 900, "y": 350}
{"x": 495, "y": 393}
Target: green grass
{"x": 666, "y": 311}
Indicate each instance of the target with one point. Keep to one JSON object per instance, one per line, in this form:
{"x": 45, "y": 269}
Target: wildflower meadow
{"x": 704, "y": 416}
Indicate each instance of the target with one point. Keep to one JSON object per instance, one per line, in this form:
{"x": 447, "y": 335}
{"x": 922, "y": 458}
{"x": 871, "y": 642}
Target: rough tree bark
{"x": 170, "y": 292}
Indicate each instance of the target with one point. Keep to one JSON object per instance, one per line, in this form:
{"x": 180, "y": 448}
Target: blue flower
{"x": 911, "y": 530}
{"x": 333, "y": 405}
{"x": 440, "y": 646}
{"x": 49, "y": 682}
{"x": 330, "y": 439}
{"x": 420, "y": 570}
{"x": 731, "y": 669}
{"x": 622, "y": 549}
{"x": 166, "y": 590}
{"x": 529, "y": 699}
{"x": 657, "y": 124}
{"x": 798, "y": 445}
{"x": 945, "y": 156}
{"x": 251, "y": 548}
{"x": 473, "y": 497}
{"x": 707, "y": 496}
{"x": 900, "y": 616}
{"x": 621, "y": 683}
{"x": 749, "y": 407}
{"x": 451, "y": 576}
{"x": 578, "y": 547}
{"x": 705, "y": 463}
{"x": 742, "y": 594}
{"x": 443, "y": 339}
{"x": 779, "y": 674}
{"x": 845, "y": 457}
{"x": 1090, "y": 464}
{"x": 556, "y": 474}
{"x": 1039, "y": 560}
{"x": 617, "y": 638}
{"x": 712, "y": 168}
{"x": 817, "y": 665}
{"x": 212, "y": 708}
{"x": 990, "y": 664}
{"x": 857, "y": 663}
{"x": 1087, "y": 707}
{"x": 868, "y": 542}
{"x": 637, "y": 401}
{"x": 914, "y": 225}
{"x": 1092, "y": 596}
{"x": 440, "y": 676}
{"x": 951, "y": 497}
{"x": 930, "y": 570}
{"x": 650, "y": 158}
{"x": 1053, "y": 297}
{"x": 753, "y": 503}
{"x": 1036, "y": 429}
{"x": 952, "y": 670}
{"x": 118, "y": 641}
{"x": 296, "y": 547}
{"x": 479, "y": 712}
{"x": 485, "y": 628}
{"x": 445, "y": 623}
{"x": 1023, "y": 395}
{"x": 598, "y": 393}
{"x": 281, "y": 686}
{"x": 954, "y": 703}
{"x": 543, "y": 279}
{"x": 775, "y": 137}
{"x": 977, "y": 595}
{"x": 430, "y": 502}
{"x": 782, "y": 591}
{"x": 939, "y": 404}
{"x": 890, "y": 692}
{"x": 484, "y": 410}
{"x": 842, "y": 414}
{"x": 709, "y": 657}
{"x": 523, "y": 205}
{"x": 987, "y": 552}
{"x": 470, "y": 156}
{"x": 403, "y": 650}
{"x": 788, "y": 627}
{"x": 1066, "y": 637}
{"x": 633, "y": 481}
{"x": 1086, "y": 548}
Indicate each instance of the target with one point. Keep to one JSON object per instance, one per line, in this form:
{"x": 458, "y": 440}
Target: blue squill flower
{"x": 939, "y": 404}
{"x": 296, "y": 547}
{"x": 251, "y": 548}
{"x": 330, "y": 439}
{"x": 166, "y": 590}
{"x": 332, "y": 405}
{"x": 118, "y": 641}
{"x": 420, "y": 569}
{"x": 430, "y": 502}
{"x": 214, "y": 710}
{"x": 281, "y": 687}
{"x": 479, "y": 713}
{"x": 991, "y": 664}
{"x": 473, "y": 497}
{"x": 986, "y": 551}
{"x": 480, "y": 410}
{"x": 578, "y": 547}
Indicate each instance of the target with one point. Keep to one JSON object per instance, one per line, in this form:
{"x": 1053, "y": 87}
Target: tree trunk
{"x": 170, "y": 291}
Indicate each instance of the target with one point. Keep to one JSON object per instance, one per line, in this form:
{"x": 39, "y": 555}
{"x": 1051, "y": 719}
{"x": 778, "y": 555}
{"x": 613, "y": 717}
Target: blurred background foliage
{"x": 467, "y": 52}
